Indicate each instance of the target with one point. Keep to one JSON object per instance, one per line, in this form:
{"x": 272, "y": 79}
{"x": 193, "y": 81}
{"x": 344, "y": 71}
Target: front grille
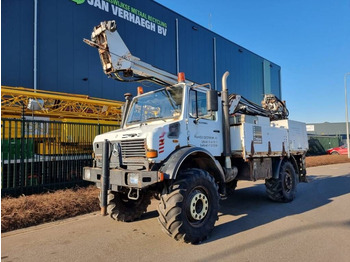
{"x": 133, "y": 151}
{"x": 126, "y": 152}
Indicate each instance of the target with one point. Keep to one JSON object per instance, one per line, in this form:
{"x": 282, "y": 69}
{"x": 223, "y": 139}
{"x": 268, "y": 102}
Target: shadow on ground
{"x": 255, "y": 209}
{"x": 149, "y": 215}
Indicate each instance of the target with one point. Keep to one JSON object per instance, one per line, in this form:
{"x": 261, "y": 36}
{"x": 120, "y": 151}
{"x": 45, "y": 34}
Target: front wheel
{"x": 121, "y": 208}
{"x": 189, "y": 211}
{"x": 282, "y": 189}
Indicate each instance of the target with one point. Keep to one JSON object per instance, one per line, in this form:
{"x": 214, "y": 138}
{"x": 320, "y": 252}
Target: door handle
{"x": 216, "y": 131}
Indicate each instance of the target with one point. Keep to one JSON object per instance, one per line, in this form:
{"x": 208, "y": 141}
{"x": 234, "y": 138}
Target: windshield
{"x": 161, "y": 104}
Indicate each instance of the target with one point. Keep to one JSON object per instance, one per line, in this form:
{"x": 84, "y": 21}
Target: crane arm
{"x": 271, "y": 107}
{"x": 119, "y": 64}
{"x": 117, "y": 61}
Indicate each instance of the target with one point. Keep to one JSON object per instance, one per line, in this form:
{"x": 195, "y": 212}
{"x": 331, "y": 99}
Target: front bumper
{"x": 124, "y": 178}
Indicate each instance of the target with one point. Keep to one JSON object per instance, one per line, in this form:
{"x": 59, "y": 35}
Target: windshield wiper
{"x": 170, "y": 98}
{"x": 155, "y": 117}
{"x": 134, "y": 121}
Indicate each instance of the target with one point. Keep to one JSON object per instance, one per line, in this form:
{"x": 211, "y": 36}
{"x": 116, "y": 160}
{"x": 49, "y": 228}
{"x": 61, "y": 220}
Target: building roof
{"x": 326, "y": 128}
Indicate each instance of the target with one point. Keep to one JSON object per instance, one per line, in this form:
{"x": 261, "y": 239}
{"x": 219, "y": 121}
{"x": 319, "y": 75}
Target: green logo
{"x": 78, "y": 2}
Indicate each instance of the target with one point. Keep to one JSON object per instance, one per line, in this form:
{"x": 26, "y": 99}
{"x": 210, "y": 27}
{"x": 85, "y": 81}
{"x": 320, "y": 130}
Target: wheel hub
{"x": 199, "y": 206}
{"x": 288, "y": 182}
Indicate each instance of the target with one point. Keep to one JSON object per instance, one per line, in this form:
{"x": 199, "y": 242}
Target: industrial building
{"x": 42, "y": 48}
{"x": 328, "y": 129}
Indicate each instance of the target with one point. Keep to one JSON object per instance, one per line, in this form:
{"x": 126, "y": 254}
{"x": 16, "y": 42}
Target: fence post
{"x": 22, "y": 172}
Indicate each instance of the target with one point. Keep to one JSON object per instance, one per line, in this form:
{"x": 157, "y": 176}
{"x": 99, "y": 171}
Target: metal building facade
{"x": 152, "y": 32}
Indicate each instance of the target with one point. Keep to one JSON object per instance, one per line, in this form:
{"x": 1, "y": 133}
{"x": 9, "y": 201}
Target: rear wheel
{"x": 282, "y": 189}
{"x": 121, "y": 208}
{"x": 189, "y": 211}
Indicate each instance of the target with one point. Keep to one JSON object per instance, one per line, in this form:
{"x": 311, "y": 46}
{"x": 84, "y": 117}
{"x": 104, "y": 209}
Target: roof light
{"x": 139, "y": 90}
{"x": 181, "y": 77}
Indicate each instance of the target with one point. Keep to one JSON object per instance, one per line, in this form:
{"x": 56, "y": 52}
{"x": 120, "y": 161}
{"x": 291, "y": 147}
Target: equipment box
{"x": 297, "y": 135}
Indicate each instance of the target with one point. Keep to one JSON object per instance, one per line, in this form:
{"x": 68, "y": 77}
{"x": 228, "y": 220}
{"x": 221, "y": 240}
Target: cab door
{"x": 204, "y": 128}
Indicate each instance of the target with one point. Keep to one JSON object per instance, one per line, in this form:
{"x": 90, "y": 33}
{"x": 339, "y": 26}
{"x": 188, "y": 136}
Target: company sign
{"x": 129, "y": 13}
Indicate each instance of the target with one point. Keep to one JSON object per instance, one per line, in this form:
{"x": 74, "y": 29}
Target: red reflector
{"x": 160, "y": 176}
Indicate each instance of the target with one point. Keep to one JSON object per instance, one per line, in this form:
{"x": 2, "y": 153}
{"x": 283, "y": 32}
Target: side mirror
{"x": 212, "y": 100}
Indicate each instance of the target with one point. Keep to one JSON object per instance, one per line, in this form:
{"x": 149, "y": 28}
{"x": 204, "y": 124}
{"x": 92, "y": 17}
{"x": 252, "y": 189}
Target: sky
{"x": 309, "y": 39}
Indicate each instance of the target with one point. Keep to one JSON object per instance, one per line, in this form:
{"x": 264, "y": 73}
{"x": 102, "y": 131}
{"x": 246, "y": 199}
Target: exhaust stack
{"x": 230, "y": 172}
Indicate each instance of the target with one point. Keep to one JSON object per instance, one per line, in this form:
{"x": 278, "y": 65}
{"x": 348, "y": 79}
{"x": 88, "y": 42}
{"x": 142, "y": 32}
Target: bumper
{"x": 125, "y": 178}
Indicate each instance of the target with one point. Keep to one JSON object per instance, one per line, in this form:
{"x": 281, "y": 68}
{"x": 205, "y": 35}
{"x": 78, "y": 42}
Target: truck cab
{"x": 157, "y": 124}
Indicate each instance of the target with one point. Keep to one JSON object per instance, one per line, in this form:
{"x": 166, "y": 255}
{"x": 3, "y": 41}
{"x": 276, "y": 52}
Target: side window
{"x": 193, "y": 104}
{"x": 198, "y": 105}
{"x": 202, "y": 104}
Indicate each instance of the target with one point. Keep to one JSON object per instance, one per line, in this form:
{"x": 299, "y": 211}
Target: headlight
{"x": 133, "y": 178}
{"x": 87, "y": 174}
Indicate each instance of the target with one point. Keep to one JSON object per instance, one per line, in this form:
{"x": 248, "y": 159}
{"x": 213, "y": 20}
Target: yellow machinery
{"x": 57, "y": 105}
{"x": 56, "y": 123}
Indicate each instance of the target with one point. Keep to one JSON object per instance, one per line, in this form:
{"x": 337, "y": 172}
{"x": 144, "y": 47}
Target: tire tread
{"x": 170, "y": 207}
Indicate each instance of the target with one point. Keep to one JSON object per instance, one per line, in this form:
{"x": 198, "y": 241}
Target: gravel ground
{"x": 26, "y": 211}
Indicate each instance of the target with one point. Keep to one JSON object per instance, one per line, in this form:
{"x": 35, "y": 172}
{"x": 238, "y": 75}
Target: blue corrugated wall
{"x": 66, "y": 64}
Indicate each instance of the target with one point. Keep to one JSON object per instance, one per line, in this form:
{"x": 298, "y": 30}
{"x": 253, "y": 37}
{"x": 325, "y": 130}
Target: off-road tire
{"x": 282, "y": 189}
{"x": 120, "y": 208}
{"x": 190, "y": 209}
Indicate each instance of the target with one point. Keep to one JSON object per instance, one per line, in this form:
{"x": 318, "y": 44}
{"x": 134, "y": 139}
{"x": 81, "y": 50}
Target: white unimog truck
{"x": 188, "y": 145}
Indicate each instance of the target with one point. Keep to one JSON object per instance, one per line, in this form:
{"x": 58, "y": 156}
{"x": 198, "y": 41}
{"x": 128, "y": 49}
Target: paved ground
{"x": 314, "y": 227}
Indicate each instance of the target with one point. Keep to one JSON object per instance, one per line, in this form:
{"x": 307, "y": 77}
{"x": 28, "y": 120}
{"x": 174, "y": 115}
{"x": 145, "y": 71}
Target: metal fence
{"x": 38, "y": 155}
